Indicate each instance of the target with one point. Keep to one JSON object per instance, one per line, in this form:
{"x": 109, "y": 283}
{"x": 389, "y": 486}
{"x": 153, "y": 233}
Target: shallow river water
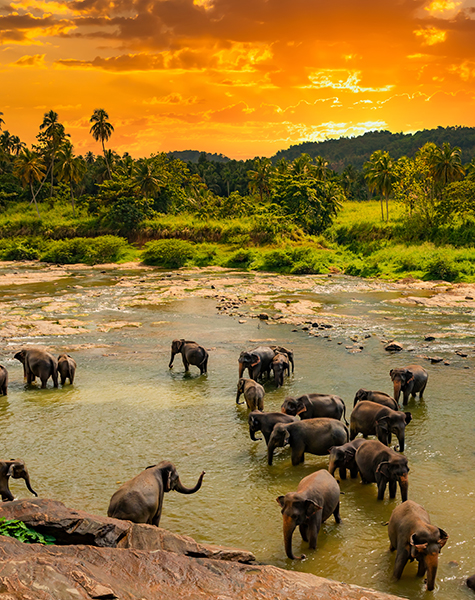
{"x": 127, "y": 410}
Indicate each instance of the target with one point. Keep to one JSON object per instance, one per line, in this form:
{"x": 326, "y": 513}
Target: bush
{"x": 241, "y": 258}
{"x": 18, "y": 530}
{"x": 172, "y": 254}
{"x": 441, "y": 266}
{"x": 91, "y": 251}
{"x": 18, "y": 249}
{"x": 207, "y": 254}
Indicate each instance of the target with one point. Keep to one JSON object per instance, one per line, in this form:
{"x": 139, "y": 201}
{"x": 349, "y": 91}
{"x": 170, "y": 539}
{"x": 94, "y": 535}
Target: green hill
{"x": 356, "y": 151}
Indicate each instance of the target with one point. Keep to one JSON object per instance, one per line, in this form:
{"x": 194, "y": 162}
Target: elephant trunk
{"x": 332, "y": 466}
{"x": 179, "y": 487}
{"x": 252, "y": 433}
{"x": 404, "y": 486}
{"x": 270, "y": 451}
{"x": 397, "y": 391}
{"x": 241, "y": 369}
{"x": 172, "y": 358}
{"x": 238, "y": 395}
{"x": 432, "y": 561}
{"x": 289, "y": 528}
{"x": 30, "y": 489}
{"x": 400, "y": 437}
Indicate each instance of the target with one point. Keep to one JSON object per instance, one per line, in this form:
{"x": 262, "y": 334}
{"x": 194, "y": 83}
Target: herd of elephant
{"x": 309, "y": 423}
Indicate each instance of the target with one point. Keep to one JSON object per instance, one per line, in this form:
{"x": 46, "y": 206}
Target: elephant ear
{"x": 443, "y": 538}
{"x": 408, "y": 417}
{"x": 409, "y": 376}
{"x": 383, "y": 424}
{"x": 311, "y": 507}
{"x": 300, "y": 406}
{"x": 287, "y": 437}
{"x": 383, "y": 468}
{"x": 391, "y": 373}
{"x": 415, "y": 547}
{"x": 11, "y": 471}
{"x": 255, "y": 360}
{"x": 350, "y": 454}
{"x": 280, "y": 500}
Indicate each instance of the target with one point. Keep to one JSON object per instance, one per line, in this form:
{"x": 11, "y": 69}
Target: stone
{"x": 263, "y": 316}
{"x": 429, "y": 338}
{"x": 461, "y": 353}
{"x": 393, "y": 347}
{"x": 434, "y": 359}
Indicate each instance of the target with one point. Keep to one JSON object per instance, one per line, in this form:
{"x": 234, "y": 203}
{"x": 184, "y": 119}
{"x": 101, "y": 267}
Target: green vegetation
{"x": 299, "y": 216}
{"x": 18, "y": 530}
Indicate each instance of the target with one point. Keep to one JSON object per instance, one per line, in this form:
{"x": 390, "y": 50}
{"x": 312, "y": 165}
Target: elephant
{"x": 253, "y": 393}
{"x": 16, "y": 469}
{"x": 311, "y": 406}
{"x": 38, "y": 363}
{"x": 377, "y": 397}
{"x": 471, "y": 582}
{"x": 290, "y": 353}
{"x": 379, "y": 464}
{"x": 343, "y": 457}
{"x": 412, "y": 535}
{"x": 316, "y": 436}
{"x": 279, "y": 365}
{"x": 66, "y": 368}
{"x": 3, "y": 381}
{"x": 257, "y": 362}
{"x": 265, "y": 422}
{"x": 140, "y": 499}
{"x": 410, "y": 381}
{"x": 370, "y": 418}
{"x": 191, "y": 354}
{"x": 317, "y": 497}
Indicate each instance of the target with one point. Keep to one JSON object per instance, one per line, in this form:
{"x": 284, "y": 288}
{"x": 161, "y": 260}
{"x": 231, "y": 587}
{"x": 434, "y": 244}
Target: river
{"x": 127, "y": 410}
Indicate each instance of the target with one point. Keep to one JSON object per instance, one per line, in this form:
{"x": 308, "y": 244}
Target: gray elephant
{"x": 317, "y": 497}
{"x": 265, "y": 422}
{"x": 191, "y": 354}
{"x": 410, "y": 381}
{"x": 3, "y": 381}
{"x": 412, "y": 535}
{"x": 66, "y": 368}
{"x": 343, "y": 458}
{"x": 377, "y": 397}
{"x": 280, "y": 366}
{"x": 316, "y": 436}
{"x": 140, "y": 499}
{"x": 311, "y": 406}
{"x": 379, "y": 464}
{"x": 370, "y": 418}
{"x": 257, "y": 362}
{"x": 290, "y": 353}
{"x": 471, "y": 582}
{"x": 253, "y": 393}
{"x": 16, "y": 469}
{"x": 38, "y": 363}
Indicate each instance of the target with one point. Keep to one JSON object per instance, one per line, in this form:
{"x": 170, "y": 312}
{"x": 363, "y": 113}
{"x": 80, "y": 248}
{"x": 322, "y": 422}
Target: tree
{"x": 446, "y": 164}
{"x": 259, "y": 177}
{"x": 2, "y": 122}
{"x": 379, "y": 175}
{"x": 147, "y": 177}
{"x": 321, "y": 169}
{"x": 101, "y": 130}
{"x": 30, "y": 170}
{"x": 52, "y": 137}
{"x": 71, "y": 169}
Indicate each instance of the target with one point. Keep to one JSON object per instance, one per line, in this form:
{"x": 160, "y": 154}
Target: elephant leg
{"x": 381, "y": 488}
{"x": 353, "y": 433}
{"x": 43, "y": 382}
{"x": 406, "y": 397}
{"x": 336, "y": 513}
{"x": 342, "y": 471}
{"x": 421, "y": 393}
{"x": 392, "y": 488}
{"x": 54, "y": 375}
{"x": 421, "y": 571}
{"x": 303, "y": 532}
{"x": 186, "y": 364}
{"x": 314, "y": 525}
{"x": 353, "y": 471}
{"x": 298, "y": 454}
{"x": 401, "y": 560}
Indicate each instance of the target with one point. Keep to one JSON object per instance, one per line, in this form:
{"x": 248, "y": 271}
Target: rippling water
{"x": 127, "y": 410}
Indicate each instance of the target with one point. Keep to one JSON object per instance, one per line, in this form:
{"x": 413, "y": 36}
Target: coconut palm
{"x": 321, "y": 169}
{"x": 2, "y": 122}
{"x": 52, "y": 136}
{"x": 101, "y": 130}
{"x": 29, "y": 169}
{"x": 380, "y": 176}
{"x": 147, "y": 177}
{"x": 71, "y": 169}
{"x": 446, "y": 164}
{"x": 259, "y": 176}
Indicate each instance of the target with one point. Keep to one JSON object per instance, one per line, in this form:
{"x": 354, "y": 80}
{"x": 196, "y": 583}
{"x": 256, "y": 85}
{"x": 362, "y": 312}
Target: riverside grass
{"x": 358, "y": 243}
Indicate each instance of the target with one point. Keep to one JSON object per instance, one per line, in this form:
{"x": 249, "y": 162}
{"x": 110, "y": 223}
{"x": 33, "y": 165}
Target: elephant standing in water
{"x": 280, "y": 366}
{"x": 140, "y": 499}
{"x": 16, "y": 469}
{"x": 265, "y": 422}
{"x": 370, "y": 418}
{"x": 253, "y": 393}
{"x": 410, "y": 381}
{"x": 3, "y": 381}
{"x": 343, "y": 458}
{"x": 38, "y": 363}
{"x": 317, "y": 497}
{"x": 376, "y": 397}
{"x": 412, "y": 535}
{"x": 312, "y": 406}
{"x": 257, "y": 362}
{"x": 66, "y": 368}
{"x": 191, "y": 354}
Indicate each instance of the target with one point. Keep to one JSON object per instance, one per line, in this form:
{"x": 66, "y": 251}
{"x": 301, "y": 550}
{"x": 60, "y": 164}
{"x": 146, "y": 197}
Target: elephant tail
{"x": 344, "y": 414}
{"x": 203, "y": 366}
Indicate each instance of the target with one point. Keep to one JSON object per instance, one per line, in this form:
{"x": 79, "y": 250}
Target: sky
{"x": 243, "y": 78}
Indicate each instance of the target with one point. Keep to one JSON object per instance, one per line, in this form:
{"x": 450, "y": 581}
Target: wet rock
{"x": 305, "y": 328}
{"x": 461, "y": 353}
{"x": 434, "y": 359}
{"x": 446, "y": 362}
{"x": 394, "y": 347}
{"x": 429, "y": 338}
{"x": 263, "y": 316}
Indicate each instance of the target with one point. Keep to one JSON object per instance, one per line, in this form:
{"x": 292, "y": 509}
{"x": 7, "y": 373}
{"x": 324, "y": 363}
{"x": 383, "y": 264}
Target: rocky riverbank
{"x": 105, "y": 558}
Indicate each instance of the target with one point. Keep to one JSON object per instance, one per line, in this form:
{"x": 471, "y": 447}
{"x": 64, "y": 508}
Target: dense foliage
{"x": 18, "y": 530}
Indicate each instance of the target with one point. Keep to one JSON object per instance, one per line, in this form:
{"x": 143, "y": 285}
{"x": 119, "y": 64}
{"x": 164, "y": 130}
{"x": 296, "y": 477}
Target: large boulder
{"x": 36, "y": 572}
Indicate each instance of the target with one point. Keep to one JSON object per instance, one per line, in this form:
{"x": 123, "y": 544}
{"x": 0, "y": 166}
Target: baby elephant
{"x": 377, "y": 397}
{"x": 140, "y": 499}
{"x": 3, "y": 381}
{"x": 16, "y": 469}
{"x": 253, "y": 393}
{"x": 265, "y": 422}
{"x": 414, "y": 538}
{"x": 343, "y": 458}
{"x": 316, "y": 498}
{"x": 280, "y": 366}
{"x": 191, "y": 354}
{"x": 410, "y": 381}
{"x": 66, "y": 368}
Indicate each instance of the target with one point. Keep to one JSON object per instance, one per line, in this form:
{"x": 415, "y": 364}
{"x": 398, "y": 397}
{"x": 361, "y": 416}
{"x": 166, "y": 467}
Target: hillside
{"x": 356, "y": 151}
{"x": 194, "y": 155}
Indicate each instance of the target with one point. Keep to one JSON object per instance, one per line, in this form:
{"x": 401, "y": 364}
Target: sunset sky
{"x": 238, "y": 77}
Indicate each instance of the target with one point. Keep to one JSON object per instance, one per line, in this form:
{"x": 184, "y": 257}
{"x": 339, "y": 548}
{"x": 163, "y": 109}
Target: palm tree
{"x": 101, "y": 130}
{"x": 72, "y": 169}
{"x": 147, "y": 177}
{"x": 302, "y": 165}
{"x": 17, "y": 145}
{"x": 2, "y": 122}
{"x": 30, "y": 170}
{"x": 53, "y": 136}
{"x": 321, "y": 169}
{"x": 445, "y": 164}
{"x": 259, "y": 176}
{"x": 379, "y": 175}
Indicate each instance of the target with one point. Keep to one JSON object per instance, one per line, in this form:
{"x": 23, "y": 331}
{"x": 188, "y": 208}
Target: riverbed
{"x": 127, "y": 410}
